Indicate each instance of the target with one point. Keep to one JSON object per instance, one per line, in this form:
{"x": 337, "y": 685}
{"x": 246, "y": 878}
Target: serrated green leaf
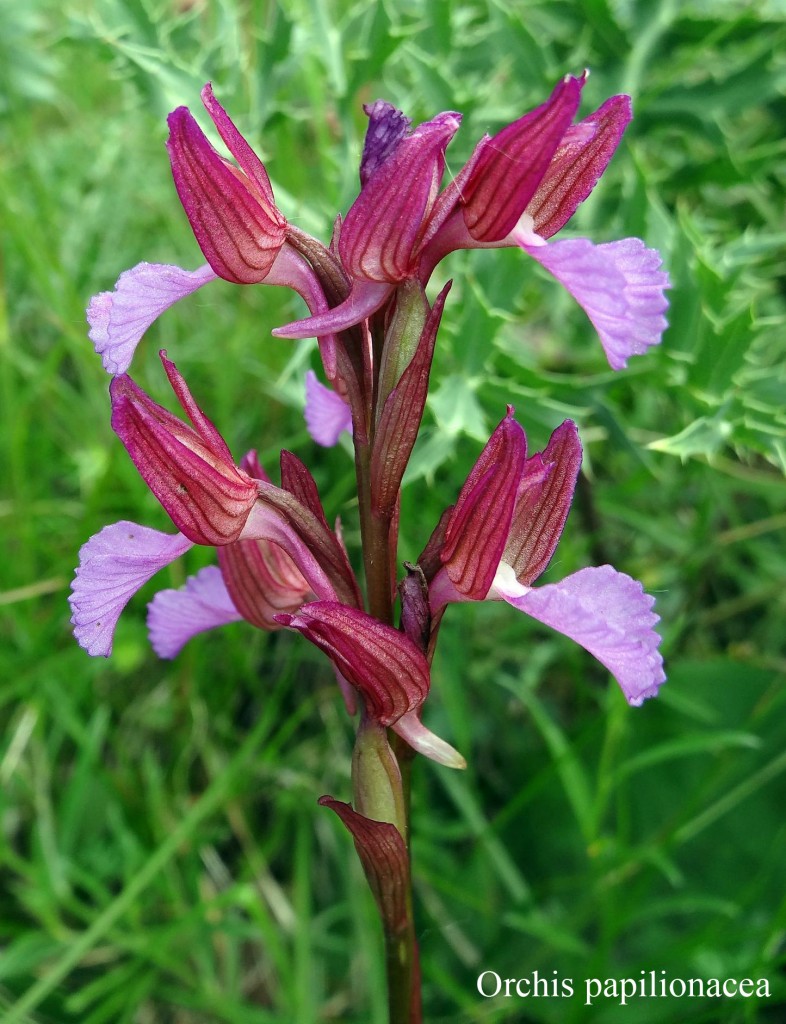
{"x": 456, "y": 408}
{"x": 705, "y": 436}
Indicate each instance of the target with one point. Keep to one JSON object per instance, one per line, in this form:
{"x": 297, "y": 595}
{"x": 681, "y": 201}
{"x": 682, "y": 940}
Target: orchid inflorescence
{"x": 280, "y": 564}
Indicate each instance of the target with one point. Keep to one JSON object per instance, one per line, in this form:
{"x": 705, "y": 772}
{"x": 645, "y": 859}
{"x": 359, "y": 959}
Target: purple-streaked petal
{"x": 478, "y": 527}
{"x": 620, "y": 287}
{"x": 512, "y": 163}
{"x": 238, "y": 228}
{"x": 543, "y": 504}
{"x": 380, "y": 232}
{"x": 327, "y": 414}
{"x": 118, "y": 319}
{"x": 384, "y": 665}
{"x": 296, "y": 478}
{"x": 202, "y": 603}
{"x": 262, "y": 581}
{"x": 410, "y": 728}
{"x": 249, "y": 162}
{"x": 577, "y": 165}
{"x": 315, "y": 550}
{"x": 365, "y": 298}
{"x": 606, "y": 612}
{"x": 269, "y": 523}
{"x": 113, "y": 565}
{"x": 387, "y": 126}
{"x": 188, "y": 468}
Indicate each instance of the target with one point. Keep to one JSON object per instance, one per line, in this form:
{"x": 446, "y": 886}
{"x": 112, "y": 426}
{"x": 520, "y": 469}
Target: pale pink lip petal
{"x": 620, "y": 287}
{"x": 118, "y": 319}
{"x": 605, "y": 611}
{"x": 327, "y": 414}
{"x": 113, "y": 565}
{"x": 202, "y": 603}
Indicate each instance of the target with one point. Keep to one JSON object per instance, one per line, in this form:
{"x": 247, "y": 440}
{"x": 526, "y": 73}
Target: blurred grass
{"x": 162, "y": 858}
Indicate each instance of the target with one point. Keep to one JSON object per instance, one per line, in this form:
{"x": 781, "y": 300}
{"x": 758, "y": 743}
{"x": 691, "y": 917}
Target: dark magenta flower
{"x": 524, "y": 184}
{"x": 500, "y": 536}
{"x": 275, "y": 547}
{"x": 518, "y": 189}
{"x": 238, "y": 226}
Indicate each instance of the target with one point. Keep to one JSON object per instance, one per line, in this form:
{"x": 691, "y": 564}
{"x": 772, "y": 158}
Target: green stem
{"x": 401, "y": 951}
{"x": 375, "y": 540}
{"x": 404, "y": 975}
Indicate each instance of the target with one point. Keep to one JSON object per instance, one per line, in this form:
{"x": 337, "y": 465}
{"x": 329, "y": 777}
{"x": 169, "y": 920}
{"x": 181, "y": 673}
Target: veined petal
{"x": 327, "y": 414}
{"x": 174, "y": 616}
{"x": 387, "y": 126}
{"x": 512, "y": 163}
{"x": 237, "y": 227}
{"x": 270, "y": 524}
{"x": 380, "y": 232}
{"x": 384, "y": 665}
{"x": 118, "y": 319}
{"x": 620, "y": 287}
{"x": 478, "y": 528}
{"x": 606, "y": 612}
{"x": 577, "y": 165}
{"x": 365, "y": 298}
{"x": 297, "y": 479}
{"x": 543, "y": 504}
{"x": 279, "y": 517}
{"x": 262, "y": 581}
{"x": 113, "y": 565}
{"x": 249, "y": 162}
{"x": 189, "y": 469}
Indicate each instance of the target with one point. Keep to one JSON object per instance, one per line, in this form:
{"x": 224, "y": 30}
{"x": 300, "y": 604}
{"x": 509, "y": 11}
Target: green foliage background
{"x": 162, "y": 857}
